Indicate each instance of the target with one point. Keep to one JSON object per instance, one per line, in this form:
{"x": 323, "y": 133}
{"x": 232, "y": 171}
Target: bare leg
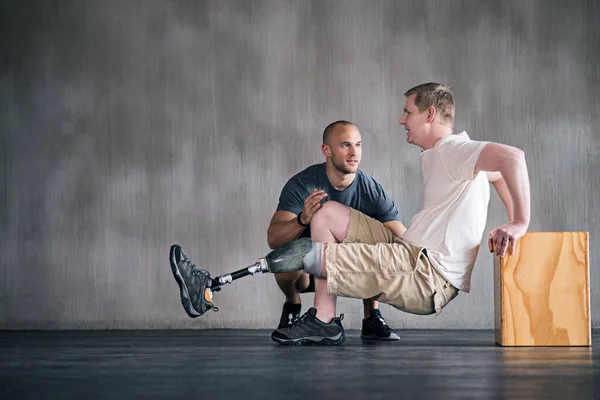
{"x": 369, "y": 304}
{"x": 291, "y": 284}
{"x": 328, "y": 225}
{"x": 331, "y": 226}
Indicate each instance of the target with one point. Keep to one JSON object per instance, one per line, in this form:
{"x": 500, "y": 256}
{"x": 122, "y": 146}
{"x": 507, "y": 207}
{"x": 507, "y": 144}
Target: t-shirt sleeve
{"x": 292, "y": 197}
{"x": 459, "y": 158}
{"x": 386, "y": 209}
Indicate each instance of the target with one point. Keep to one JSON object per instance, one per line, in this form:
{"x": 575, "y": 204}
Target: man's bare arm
{"x": 396, "y": 227}
{"x": 497, "y": 180}
{"x": 510, "y": 162}
{"x": 283, "y": 229}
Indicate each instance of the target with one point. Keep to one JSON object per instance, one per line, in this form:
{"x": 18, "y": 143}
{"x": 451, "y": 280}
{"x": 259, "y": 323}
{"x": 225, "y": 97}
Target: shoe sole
{"x": 392, "y": 337}
{"x": 183, "y": 290}
{"x": 308, "y": 341}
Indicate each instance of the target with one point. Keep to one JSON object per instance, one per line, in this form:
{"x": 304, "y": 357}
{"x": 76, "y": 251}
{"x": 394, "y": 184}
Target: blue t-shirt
{"x": 364, "y": 194}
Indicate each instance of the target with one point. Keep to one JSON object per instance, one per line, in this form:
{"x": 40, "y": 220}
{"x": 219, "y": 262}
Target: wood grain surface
{"x": 542, "y": 291}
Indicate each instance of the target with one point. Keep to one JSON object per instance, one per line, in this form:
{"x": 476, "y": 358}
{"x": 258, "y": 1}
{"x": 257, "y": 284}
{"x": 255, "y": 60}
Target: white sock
{"x": 312, "y": 261}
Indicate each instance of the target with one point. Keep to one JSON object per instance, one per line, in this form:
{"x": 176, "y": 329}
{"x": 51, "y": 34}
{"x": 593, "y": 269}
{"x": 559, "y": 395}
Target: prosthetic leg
{"x": 286, "y": 258}
{"x": 197, "y": 286}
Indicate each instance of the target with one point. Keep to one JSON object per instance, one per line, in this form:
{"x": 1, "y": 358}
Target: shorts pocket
{"x": 442, "y": 296}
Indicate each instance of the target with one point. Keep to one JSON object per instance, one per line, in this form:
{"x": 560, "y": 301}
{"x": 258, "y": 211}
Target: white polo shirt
{"x": 454, "y": 211}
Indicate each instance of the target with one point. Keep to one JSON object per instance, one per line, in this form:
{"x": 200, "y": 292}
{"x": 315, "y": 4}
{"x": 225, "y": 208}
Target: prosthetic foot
{"x": 196, "y": 286}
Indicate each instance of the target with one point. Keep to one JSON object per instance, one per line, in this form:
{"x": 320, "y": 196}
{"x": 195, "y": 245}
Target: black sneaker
{"x": 289, "y": 314}
{"x": 376, "y": 328}
{"x": 194, "y": 283}
{"x": 310, "y": 330}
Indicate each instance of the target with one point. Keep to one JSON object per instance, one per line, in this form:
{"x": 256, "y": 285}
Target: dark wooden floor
{"x": 246, "y": 364}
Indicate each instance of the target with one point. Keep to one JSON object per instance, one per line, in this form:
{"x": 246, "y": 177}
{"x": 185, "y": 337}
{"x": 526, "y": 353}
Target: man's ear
{"x": 431, "y": 113}
{"x": 326, "y": 150}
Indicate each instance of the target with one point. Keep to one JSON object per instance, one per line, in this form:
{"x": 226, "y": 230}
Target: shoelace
{"x": 195, "y": 270}
{"x": 305, "y": 315}
{"x": 200, "y": 273}
{"x": 188, "y": 263}
{"x": 300, "y": 319}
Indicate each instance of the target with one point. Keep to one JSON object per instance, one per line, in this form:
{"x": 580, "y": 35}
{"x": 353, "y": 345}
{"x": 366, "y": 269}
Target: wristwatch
{"x": 299, "y": 221}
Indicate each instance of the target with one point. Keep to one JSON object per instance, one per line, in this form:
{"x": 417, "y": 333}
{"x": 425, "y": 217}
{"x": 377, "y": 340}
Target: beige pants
{"x": 372, "y": 263}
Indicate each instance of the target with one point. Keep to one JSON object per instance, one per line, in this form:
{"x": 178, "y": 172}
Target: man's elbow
{"x": 513, "y": 156}
{"x": 518, "y": 154}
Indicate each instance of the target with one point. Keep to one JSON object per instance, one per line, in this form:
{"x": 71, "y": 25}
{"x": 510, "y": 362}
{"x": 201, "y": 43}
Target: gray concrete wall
{"x": 127, "y": 126}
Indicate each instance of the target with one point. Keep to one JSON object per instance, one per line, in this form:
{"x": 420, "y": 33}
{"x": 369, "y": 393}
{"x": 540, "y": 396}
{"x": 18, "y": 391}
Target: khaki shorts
{"x": 372, "y": 263}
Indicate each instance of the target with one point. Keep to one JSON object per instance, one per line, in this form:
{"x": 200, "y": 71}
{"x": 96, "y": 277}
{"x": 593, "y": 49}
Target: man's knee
{"x": 331, "y": 210}
{"x": 288, "y": 278}
{"x": 302, "y": 282}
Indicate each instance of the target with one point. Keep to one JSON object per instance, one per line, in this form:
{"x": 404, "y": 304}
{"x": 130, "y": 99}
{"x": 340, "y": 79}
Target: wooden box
{"x": 542, "y": 291}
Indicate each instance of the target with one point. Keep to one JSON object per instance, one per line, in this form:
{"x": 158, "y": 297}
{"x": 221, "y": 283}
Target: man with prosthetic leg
{"x": 418, "y": 273}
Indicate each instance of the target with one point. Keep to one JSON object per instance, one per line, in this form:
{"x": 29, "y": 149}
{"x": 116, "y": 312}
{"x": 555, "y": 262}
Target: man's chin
{"x": 348, "y": 170}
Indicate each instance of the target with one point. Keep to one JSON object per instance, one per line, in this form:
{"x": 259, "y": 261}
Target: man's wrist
{"x": 299, "y": 220}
